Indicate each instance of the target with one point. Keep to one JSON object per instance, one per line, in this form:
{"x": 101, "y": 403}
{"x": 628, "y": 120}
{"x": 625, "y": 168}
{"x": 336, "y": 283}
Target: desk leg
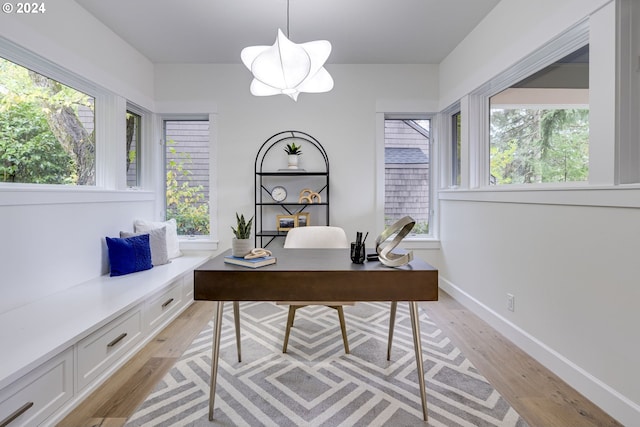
{"x": 215, "y": 352}
{"x": 417, "y": 343}
{"x": 392, "y": 324}
{"x": 236, "y": 318}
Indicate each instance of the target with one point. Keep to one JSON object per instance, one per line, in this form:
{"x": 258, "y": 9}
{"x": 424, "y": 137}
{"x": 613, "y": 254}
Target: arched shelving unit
{"x": 271, "y": 171}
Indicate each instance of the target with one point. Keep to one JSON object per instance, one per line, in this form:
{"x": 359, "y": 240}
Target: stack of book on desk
{"x": 251, "y": 263}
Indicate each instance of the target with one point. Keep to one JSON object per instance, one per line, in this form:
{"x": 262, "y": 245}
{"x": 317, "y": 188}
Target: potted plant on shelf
{"x": 241, "y": 244}
{"x": 293, "y": 151}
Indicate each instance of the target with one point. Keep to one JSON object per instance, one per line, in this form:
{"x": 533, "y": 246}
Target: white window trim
{"x": 51, "y": 194}
{"x": 620, "y": 196}
{"x": 110, "y": 126}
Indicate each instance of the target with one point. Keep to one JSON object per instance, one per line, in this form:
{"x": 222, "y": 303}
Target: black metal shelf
{"x": 271, "y": 233}
{"x": 292, "y": 173}
{"x": 263, "y": 181}
{"x": 291, "y": 204}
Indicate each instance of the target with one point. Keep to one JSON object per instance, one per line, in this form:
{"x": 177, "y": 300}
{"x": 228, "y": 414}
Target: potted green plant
{"x": 241, "y": 244}
{"x": 293, "y": 152}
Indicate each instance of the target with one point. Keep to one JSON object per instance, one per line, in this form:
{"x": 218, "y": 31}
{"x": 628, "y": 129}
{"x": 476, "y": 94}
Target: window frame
{"x": 198, "y": 242}
{"x": 25, "y": 59}
{"x": 108, "y": 108}
{"x": 446, "y": 135}
{"x": 111, "y": 185}
{"x": 455, "y": 123}
{"x": 479, "y": 106}
{"x": 628, "y": 92}
{"x": 140, "y": 134}
{"x": 515, "y": 100}
{"x": 604, "y": 187}
{"x": 430, "y": 240}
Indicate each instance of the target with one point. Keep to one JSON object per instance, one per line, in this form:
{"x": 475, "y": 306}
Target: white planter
{"x": 293, "y": 161}
{"x": 241, "y": 247}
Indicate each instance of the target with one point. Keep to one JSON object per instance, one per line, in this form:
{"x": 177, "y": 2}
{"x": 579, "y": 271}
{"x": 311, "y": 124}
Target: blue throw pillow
{"x": 129, "y": 255}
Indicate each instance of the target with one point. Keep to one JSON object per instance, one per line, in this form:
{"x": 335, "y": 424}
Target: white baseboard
{"x": 615, "y": 404}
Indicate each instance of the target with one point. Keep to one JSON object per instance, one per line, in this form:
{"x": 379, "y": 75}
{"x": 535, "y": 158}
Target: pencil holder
{"x": 358, "y": 253}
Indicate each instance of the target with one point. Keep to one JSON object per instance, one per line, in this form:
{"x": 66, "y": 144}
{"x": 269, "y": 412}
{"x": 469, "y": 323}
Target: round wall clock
{"x": 278, "y": 194}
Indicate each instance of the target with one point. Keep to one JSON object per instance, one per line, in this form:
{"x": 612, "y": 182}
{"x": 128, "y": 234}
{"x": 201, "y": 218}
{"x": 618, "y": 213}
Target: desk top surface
{"x": 312, "y": 260}
{"x": 315, "y": 275}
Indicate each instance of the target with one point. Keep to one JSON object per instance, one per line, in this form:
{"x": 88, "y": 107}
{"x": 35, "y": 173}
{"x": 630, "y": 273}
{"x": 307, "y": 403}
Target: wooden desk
{"x": 316, "y": 275}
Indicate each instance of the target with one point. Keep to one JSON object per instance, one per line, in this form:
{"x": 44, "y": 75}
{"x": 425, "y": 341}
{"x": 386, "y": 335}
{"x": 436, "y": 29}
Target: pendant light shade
{"x": 288, "y": 68}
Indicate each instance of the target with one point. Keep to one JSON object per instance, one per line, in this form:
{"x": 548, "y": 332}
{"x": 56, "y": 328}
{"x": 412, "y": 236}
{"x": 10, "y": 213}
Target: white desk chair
{"x": 316, "y": 237}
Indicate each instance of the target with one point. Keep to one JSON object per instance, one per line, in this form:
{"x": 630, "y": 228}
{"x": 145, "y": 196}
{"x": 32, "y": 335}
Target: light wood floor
{"x": 540, "y": 397}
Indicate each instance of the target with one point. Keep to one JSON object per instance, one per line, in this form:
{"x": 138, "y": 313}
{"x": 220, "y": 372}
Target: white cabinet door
{"x": 107, "y": 345}
{"x": 163, "y": 306}
{"x": 33, "y": 398}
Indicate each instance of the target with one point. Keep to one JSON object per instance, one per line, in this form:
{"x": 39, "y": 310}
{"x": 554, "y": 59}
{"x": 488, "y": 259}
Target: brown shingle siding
{"x": 406, "y": 172}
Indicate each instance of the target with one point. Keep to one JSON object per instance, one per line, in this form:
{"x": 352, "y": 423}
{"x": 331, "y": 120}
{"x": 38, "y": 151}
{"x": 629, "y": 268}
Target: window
{"x": 46, "y": 129}
{"x": 187, "y": 170}
{"x": 539, "y": 127}
{"x": 456, "y": 139}
{"x": 407, "y": 171}
{"x": 133, "y": 141}
{"x": 628, "y": 92}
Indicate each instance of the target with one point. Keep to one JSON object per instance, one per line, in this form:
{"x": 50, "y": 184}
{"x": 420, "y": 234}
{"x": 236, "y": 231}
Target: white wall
{"x": 569, "y": 257}
{"x": 50, "y": 247}
{"x": 573, "y": 272}
{"x": 343, "y": 120}
{"x": 51, "y": 240}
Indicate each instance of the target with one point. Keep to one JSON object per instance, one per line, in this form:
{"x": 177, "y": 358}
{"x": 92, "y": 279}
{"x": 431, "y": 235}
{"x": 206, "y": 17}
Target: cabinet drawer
{"x": 187, "y": 287}
{"x": 161, "y": 307}
{"x": 37, "y": 395}
{"x": 106, "y": 345}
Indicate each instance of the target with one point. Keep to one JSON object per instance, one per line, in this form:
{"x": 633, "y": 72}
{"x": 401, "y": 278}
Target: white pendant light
{"x": 288, "y": 68}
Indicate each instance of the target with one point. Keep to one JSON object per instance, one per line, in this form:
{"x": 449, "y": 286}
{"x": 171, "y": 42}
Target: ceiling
{"x": 360, "y": 31}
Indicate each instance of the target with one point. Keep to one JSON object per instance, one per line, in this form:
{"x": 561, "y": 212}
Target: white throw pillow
{"x": 157, "y": 242}
{"x": 173, "y": 247}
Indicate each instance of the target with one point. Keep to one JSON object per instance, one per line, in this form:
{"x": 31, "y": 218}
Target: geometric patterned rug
{"x": 315, "y": 383}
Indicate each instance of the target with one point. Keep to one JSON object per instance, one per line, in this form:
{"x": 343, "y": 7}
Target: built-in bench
{"x": 57, "y": 349}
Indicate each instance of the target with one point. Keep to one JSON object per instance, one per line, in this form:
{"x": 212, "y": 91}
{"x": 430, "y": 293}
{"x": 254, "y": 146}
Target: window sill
{"x": 420, "y": 243}
{"x": 624, "y": 196}
{"x": 42, "y": 194}
{"x": 197, "y": 243}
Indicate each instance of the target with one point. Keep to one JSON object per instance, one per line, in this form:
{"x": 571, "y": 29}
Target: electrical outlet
{"x": 511, "y": 302}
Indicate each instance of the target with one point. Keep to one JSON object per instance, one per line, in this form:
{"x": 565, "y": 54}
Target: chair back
{"x": 316, "y": 236}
